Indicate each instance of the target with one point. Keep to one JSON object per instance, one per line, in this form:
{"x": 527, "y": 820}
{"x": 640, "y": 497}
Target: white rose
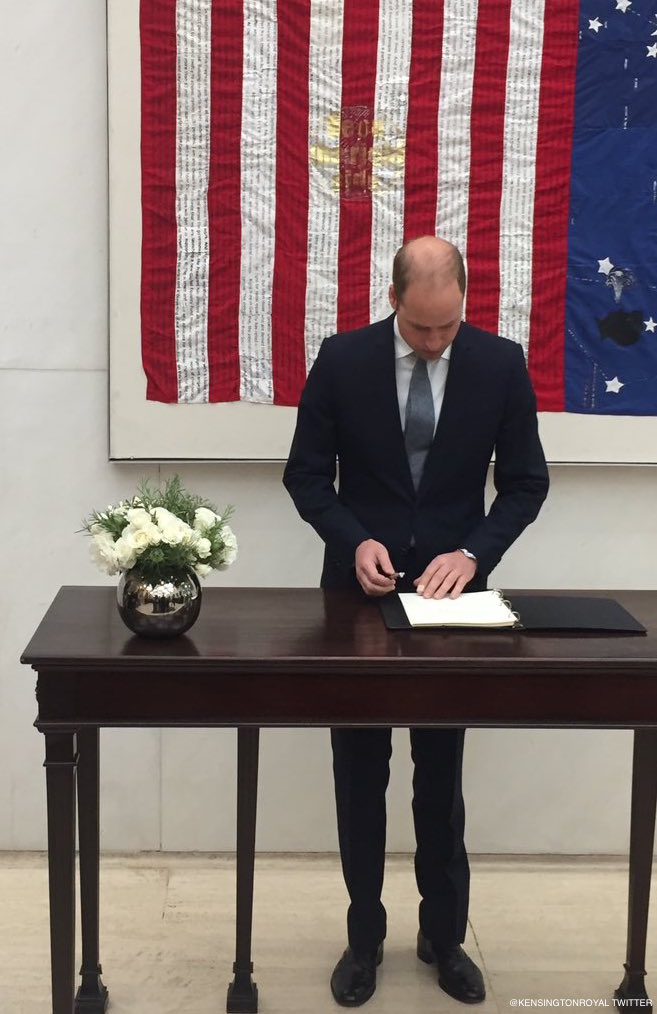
{"x": 202, "y": 569}
{"x": 172, "y": 529}
{"x": 188, "y": 536}
{"x": 203, "y": 548}
{"x": 140, "y": 539}
{"x": 204, "y": 518}
{"x": 103, "y": 552}
{"x": 139, "y": 517}
{"x": 165, "y": 517}
{"x": 230, "y": 545}
{"x": 153, "y": 533}
{"x": 172, "y": 536}
{"x": 126, "y": 556}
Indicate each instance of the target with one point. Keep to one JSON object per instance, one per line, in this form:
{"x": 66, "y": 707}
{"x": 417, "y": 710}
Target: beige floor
{"x": 540, "y": 929}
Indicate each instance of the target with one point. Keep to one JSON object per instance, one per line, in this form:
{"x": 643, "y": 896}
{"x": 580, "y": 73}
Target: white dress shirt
{"x": 404, "y": 363}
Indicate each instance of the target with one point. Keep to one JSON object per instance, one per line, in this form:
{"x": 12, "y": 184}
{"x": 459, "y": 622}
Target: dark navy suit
{"x": 349, "y": 411}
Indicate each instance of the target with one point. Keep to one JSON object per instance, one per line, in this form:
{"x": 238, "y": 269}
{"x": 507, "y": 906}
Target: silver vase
{"x": 159, "y": 609}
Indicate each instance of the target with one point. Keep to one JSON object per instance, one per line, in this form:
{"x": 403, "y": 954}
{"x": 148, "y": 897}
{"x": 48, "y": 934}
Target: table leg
{"x": 60, "y": 763}
{"x": 642, "y": 834}
{"x": 243, "y": 992}
{"x": 92, "y": 996}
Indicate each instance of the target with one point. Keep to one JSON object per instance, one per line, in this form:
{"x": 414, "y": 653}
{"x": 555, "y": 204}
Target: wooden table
{"x": 303, "y": 657}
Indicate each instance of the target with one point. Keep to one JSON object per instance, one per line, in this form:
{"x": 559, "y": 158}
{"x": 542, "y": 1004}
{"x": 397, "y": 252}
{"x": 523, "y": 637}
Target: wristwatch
{"x": 466, "y": 552}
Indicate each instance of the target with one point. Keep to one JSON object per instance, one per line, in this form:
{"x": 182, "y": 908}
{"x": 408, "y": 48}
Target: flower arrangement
{"x": 160, "y": 531}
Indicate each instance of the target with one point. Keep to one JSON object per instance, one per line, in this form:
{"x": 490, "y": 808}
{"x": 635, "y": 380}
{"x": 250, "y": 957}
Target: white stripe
{"x": 456, "y": 84}
{"x": 390, "y": 113}
{"x": 518, "y": 184}
{"x": 193, "y": 23}
{"x": 258, "y": 197}
{"x": 325, "y": 93}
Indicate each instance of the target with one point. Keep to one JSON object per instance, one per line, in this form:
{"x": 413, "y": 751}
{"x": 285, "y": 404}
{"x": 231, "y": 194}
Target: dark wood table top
{"x": 302, "y": 656}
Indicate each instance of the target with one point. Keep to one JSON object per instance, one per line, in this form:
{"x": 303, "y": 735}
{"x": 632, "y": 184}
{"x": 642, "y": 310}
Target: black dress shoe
{"x": 457, "y": 973}
{"x": 354, "y": 977}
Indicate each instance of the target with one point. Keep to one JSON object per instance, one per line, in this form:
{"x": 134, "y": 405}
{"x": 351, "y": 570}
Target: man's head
{"x": 428, "y": 286}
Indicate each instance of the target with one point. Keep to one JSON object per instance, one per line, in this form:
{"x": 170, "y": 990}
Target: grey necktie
{"x": 420, "y": 419}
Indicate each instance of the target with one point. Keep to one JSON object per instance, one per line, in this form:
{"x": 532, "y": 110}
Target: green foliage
{"x": 175, "y": 498}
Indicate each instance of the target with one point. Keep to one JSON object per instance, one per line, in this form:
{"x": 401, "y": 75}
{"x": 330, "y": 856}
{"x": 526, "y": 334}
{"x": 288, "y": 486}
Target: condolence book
{"x": 474, "y": 609}
{"x": 522, "y": 612}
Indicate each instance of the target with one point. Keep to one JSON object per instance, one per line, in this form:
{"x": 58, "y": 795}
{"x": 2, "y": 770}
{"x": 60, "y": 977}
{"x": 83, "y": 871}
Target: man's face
{"x": 429, "y": 316}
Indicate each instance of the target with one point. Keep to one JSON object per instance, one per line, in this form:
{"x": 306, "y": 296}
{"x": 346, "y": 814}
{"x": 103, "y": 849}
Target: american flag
{"x": 288, "y": 149}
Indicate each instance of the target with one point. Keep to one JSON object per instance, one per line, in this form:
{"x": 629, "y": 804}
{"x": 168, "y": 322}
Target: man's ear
{"x": 392, "y": 296}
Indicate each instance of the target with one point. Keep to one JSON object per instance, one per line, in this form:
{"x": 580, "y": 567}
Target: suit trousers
{"x": 361, "y": 770}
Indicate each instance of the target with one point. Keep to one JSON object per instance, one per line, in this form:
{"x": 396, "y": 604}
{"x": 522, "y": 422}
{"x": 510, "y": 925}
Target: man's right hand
{"x": 372, "y": 566}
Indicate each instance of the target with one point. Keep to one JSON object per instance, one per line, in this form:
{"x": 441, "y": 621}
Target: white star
{"x": 614, "y": 386}
{"x": 650, "y": 325}
{"x": 605, "y": 266}
{"x": 595, "y": 25}
{"x": 622, "y": 5}
{"x": 652, "y": 51}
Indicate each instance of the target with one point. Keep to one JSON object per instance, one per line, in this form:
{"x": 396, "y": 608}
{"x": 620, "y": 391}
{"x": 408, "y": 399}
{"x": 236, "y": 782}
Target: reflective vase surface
{"x": 159, "y": 609}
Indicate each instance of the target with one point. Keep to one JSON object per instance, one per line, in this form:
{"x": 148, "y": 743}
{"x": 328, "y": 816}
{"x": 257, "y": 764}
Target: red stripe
{"x": 421, "y": 173}
{"x": 291, "y": 228}
{"x": 551, "y": 203}
{"x": 224, "y": 202}
{"x": 486, "y": 162}
{"x": 158, "y": 197}
{"x": 359, "y": 52}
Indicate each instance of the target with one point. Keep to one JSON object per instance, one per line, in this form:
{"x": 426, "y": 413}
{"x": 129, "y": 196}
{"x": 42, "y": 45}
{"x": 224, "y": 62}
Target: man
{"x": 413, "y": 407}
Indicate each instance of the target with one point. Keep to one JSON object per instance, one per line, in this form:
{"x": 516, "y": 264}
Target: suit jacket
{"x": 349, "y": 411}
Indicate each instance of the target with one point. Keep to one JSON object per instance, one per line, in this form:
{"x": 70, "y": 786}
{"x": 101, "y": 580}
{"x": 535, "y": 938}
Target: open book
{"x": 472, "y": 609}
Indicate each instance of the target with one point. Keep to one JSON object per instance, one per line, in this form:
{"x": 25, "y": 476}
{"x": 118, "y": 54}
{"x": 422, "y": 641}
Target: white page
{"x": 472, "y": 609}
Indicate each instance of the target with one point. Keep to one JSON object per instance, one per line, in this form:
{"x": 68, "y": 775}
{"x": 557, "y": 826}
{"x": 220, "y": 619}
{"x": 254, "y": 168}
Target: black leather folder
{"x": 555, "y": 613}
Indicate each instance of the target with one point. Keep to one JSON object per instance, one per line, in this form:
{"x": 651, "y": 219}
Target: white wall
{"x": 526, "y": 791}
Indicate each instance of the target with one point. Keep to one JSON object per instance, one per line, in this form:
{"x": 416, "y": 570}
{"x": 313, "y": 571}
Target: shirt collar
{"x": 402, "y": 348}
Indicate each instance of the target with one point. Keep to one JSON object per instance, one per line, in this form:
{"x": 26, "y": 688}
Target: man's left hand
{"x": 447, "y": 574}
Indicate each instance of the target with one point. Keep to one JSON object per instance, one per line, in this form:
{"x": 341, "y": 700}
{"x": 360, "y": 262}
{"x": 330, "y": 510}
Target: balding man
{"x": 413, "y": 407}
